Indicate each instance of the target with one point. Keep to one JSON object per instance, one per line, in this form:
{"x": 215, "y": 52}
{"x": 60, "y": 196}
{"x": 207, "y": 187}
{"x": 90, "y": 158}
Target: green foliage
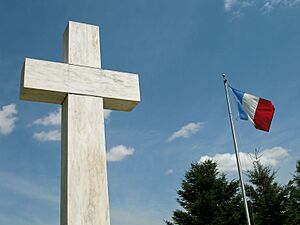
{"x": 267, "y": 197}
{"x": 293, "y": 203}
{"x": 208, "y": 198}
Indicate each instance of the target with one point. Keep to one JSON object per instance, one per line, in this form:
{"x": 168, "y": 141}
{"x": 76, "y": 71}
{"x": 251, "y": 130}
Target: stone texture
{"x": 82, "y": 45}
{"x": 84, "y": 191}
{"x": 46, "y": 81}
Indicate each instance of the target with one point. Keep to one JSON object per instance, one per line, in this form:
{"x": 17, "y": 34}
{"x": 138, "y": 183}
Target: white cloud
{"x": 8, "y": 118}
{"x": 26, "y": 188}
{"x": 118, "y": 153}
{"x": 288, "y": 3}
{"x": 228, "y": 4}
{"x": 169, "y": 172}
{"x": 227, "y": 161}
{"x": 53, "y": 118}
{"x": 186, "y": 131}
{"x": 271, "y": 4}
{"x": 236, "y": 6}
{"x": 53, "y": 135}
{"x": 267, "y": 7}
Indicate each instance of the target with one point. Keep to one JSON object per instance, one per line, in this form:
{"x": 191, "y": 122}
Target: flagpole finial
{"x": 224, "y": 77}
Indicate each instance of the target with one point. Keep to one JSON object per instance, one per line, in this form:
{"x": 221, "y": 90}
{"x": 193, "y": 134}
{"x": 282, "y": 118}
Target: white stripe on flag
{"x": 250, "y": 103}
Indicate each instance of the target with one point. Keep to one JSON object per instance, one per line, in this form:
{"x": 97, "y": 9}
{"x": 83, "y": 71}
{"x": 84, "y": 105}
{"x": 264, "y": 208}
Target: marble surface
{"x": 84, "y": 190}
{"x": 82, "y": 45}
{"x": 47, "y": 81}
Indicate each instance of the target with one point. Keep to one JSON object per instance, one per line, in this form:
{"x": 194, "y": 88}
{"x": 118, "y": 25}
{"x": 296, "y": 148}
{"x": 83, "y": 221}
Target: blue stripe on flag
{"x": 242, "y": 114}
{"x": 238, "y": 94}
{"x": 239, "y": 101}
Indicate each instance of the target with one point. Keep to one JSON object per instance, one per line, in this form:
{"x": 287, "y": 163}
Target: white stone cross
{"x": 84, "y": 90}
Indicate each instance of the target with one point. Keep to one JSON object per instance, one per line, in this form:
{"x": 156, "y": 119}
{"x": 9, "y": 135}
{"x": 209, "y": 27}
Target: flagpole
{"x": 236, "y": 151}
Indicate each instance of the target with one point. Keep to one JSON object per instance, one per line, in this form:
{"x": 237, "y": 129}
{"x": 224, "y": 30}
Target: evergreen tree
{"x": 293, "y": 203}
{"x": 208, "y": 198}
{"x": 267, "y": 197}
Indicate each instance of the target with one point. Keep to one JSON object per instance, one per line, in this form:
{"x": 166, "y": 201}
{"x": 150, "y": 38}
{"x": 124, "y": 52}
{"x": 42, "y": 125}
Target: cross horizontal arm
{"x": 45, "y": 81}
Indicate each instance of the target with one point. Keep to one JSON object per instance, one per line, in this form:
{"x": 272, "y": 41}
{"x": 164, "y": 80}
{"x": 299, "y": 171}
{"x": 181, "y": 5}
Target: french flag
{"x": 258, "y": 110}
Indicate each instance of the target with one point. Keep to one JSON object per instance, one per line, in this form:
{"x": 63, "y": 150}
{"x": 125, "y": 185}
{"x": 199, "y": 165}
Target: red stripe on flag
{"x": 264, "y": 114}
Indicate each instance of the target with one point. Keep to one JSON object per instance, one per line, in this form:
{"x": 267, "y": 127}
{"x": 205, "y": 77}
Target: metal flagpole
{"x": 236, "y": 150}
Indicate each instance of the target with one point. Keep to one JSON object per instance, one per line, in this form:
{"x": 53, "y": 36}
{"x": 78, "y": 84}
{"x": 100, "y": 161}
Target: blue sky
{"x": 179, "y": 49}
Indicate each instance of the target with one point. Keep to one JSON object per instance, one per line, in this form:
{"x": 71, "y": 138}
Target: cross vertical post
{"x": 84, "y": 190}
